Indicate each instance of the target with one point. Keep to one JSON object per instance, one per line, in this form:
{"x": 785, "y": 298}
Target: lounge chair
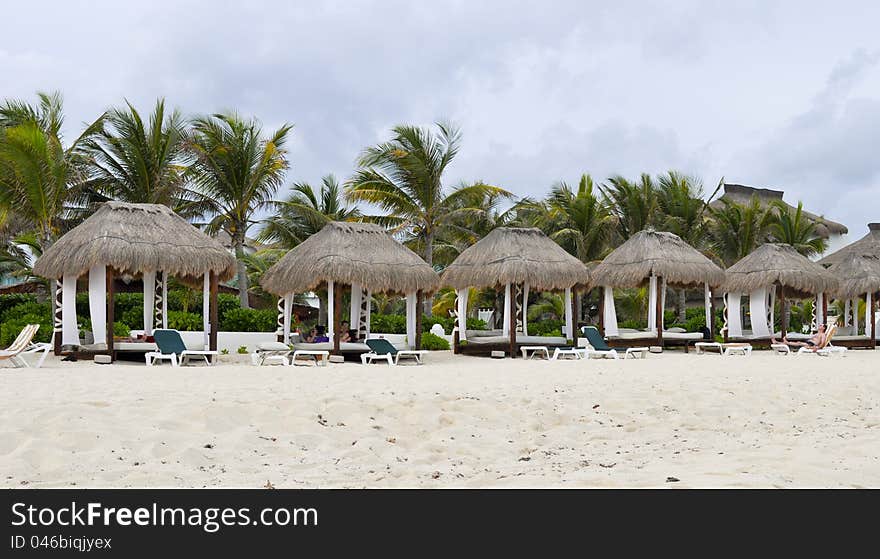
{"x": 599, "y": 348}
{"x": 825, "y": 348}
{"x": 172, "y": 348}
{"x": 383, "y": 350}
{"x": 24, "y": 345}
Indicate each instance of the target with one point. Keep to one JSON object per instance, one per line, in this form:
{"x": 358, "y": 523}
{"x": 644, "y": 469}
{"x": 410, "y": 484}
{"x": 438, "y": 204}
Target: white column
{"x": 149, "y": 279}
{"x": 98, "y": 302}
{"x": 662, "y": 301}
{"x": 757, "y": 300}
{"x": 288, "y": 310}
{"x": 505, "y": 326}
{"x": 771, "y": 295}
{"x": 411, "y": 311}
{"x": 609, "y": 318}
{"x": 569, "y": 318}
{"x": 462, "y": 300}
{"x": 206, "y": 308}
{"x": 330, "y": 310}
{"x": 525, "y": 308}
{"x": 707, "y": 304}
{"x": 846, "y": 313}
{"x": 734, "y": 316}
{"x": 652, "y": 303}
{"x": 869, "y": 318}
{"x": 820, "y": 316}
{"x": 354, "y": 309}
{"x": 69, "y": 329}
{"x": 165, "y": 300}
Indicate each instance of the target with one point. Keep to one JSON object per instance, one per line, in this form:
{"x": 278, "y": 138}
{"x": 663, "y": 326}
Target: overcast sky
{"x": 774, "y": 94}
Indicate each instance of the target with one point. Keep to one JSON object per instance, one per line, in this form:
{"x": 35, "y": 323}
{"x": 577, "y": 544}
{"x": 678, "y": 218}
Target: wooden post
{"x": 512, "y": 326}
{"x": 419, "y": 298}
{"x": 574, "y": 322}
{"x": 824, "y": 311}
{"x": 659, "y": 317}
{"x": 337, "y": 315}
{"x": 455, "y": 345}
{"x": 111, "y": 312}
{"x": 602, "y": 311}
{"x": 213, "y": 311}
{"x": 711, "y": 325}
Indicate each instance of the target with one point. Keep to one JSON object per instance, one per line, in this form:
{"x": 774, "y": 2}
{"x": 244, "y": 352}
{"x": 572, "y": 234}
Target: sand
{"x": 707, "y": 421}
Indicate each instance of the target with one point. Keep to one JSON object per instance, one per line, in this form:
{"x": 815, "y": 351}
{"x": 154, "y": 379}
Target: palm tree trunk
{"x": 238, "y": 245}
{"x": 429, "y": 258}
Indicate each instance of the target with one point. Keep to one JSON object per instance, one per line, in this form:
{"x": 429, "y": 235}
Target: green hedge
{"x": 433, "y": 342}
{"x": 550, "y": 327}
{"x": 248, "y": 320}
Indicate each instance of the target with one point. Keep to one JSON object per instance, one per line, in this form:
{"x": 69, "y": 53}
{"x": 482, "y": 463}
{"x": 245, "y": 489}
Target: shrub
{"x": 635, "y": 324}
{"x": 13, "y": 300}
{"x": 242, "y": 349}
{"x": 433, "y": 342}
{"x": 134, "y": 318}
{"x": 388, "y": 323}
{"x": 10, "y": 328}
{"x": 120, "y": 330}
{"x": 27, "y": 308}
{"x": 549, "y": 327}
{"x": 226, "y": 302}
{"x": 248, "y": 320}
{"x": 185, "y": 321}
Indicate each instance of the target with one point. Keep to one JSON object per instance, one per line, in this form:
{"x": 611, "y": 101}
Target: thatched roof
{"x": 516, "y": 255}
{"x": 773, "y": 263}
{"x": 867, "y": 245}
{"x": 857, "y": 275}
{"x": 135, "y": 238}
{"x": 347, "y": 253}
{"x": 659, "y": 253}
{"x": 742, "y": 194}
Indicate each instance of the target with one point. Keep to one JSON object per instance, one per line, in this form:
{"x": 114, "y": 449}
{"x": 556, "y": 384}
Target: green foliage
{"x": 546, "y": 327}
{"x": 447, "y": 322}
{"x": 242, "y": 350}
{"x": 224, "y": 351}
{"x": 248, "y": 320}
{"x": 26, "y": 308}
{"x": 634, "y": 324}
{"x": 10, "y": 327}
{"x": 388, "y": 323}
{"x": 185, "y": 321}
{"x": 120, "y": 330}
{"x": 14, "y": 299}
{"x": 433, "y": 342}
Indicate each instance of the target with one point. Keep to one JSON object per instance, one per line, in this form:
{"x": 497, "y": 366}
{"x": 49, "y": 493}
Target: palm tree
{"x": 680, "y": 210}
{"x": 633, "y": 204}
{"x": 239, "y": 172}
{"x": 735, "y": 230}
{"x": 403, "y": 177}
{"x": 306, "y": 211}
{"x": 142, "y": 162}
{"x": 791, "y": 226}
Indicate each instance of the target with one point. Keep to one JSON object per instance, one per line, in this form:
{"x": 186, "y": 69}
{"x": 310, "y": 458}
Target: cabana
{"x": 520, "y": 260}
{"x": 772, "y": 272}
{"x": 858, "y": 276}
{"x": 362, "y": 257}
{"x": 869, "y": 245}
{"x": 658, "y": 259}
{"x": 119, "y": 239}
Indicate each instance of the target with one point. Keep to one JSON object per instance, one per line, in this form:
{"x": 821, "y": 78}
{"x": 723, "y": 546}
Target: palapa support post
{"x": 213, "y": 312}
{"x": 419, "y": 298}
{"x": 574, "y": 321}
{"x": 111, "y": 312}
{"x": 512, "y": 325}
{"x": 601, "y": 307}
{"x": 455, "y": 347}
{"x": 337, "y": 315}
{"x": 824, "y": 311}
{"x": 659, "y": 317}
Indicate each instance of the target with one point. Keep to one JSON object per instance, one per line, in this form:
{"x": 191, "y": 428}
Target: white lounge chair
{"x": 171, "y": 347}
{"x": 825, "y": 349}
{"x": 383, "y": 350}
{"x": 24, "y": 345}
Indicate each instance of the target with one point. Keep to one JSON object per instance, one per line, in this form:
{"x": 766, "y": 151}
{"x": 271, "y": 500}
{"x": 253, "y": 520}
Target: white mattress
{"x": 682, "y": 335}
{"x": 327, "y": 346}
{"x": 633, "y": 336}
{"x": 537, "y": 340}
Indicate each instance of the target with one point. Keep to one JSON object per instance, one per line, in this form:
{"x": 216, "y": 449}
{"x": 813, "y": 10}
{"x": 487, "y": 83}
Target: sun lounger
{"x": 598, "y": 347}
{"x": 530, "y": 351}
{"x": 271, "y": 352}
{"x": 24, "y": 345}
{"x": 780, "y": 349}
{"x": 576, "y": 352}
{"x": 320, "y": 357}
{"x": 383, "y": 350}
{"x": 825, "y": 348}
{"x": 737, "y": 349}
{"x": 701, "y": 347}
{"x": 172, "y": 348}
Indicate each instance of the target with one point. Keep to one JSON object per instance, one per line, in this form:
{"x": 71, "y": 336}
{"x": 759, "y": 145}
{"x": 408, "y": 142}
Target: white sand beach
{"x": 763, "y": 421}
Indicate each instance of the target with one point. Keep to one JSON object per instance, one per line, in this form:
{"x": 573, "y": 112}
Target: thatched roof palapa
{"x": 660, "y": 253}
{"x": 136, "y": 238}
{"x": 856, "y": 275}
{"x": 868, "y": 245}
{"x": 774, "y": 263}
{"x": 348, "y": 253}
{"x": 516, "y": 255}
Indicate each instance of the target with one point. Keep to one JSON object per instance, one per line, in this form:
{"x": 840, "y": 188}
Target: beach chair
{"x": 599, "y": 348}
{"x": 172, "y": 348}
{"x": 825, "y": 348}
{"x": 24, "y": 345}
{"x": 383, "y": 350}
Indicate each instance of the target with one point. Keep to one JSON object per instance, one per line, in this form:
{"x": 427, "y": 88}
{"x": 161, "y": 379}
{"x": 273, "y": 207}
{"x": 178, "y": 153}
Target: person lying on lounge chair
{"x": 814, "y": 342}
{"x": 320, "y": 334}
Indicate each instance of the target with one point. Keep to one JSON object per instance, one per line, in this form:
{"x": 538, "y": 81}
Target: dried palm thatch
{"x": 867, "y": 245}
{"x": 772, "y": 264}
{"x": 135, "y": 238}
{"x": 659, "y": 253}
{"x": 348, "y": 253}
{"x": 516, "y": 255}
{"x": 856, "y": 275}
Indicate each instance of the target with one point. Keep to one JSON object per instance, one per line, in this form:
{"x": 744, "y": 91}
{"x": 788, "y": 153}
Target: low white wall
{"x": 230, "y": 341}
